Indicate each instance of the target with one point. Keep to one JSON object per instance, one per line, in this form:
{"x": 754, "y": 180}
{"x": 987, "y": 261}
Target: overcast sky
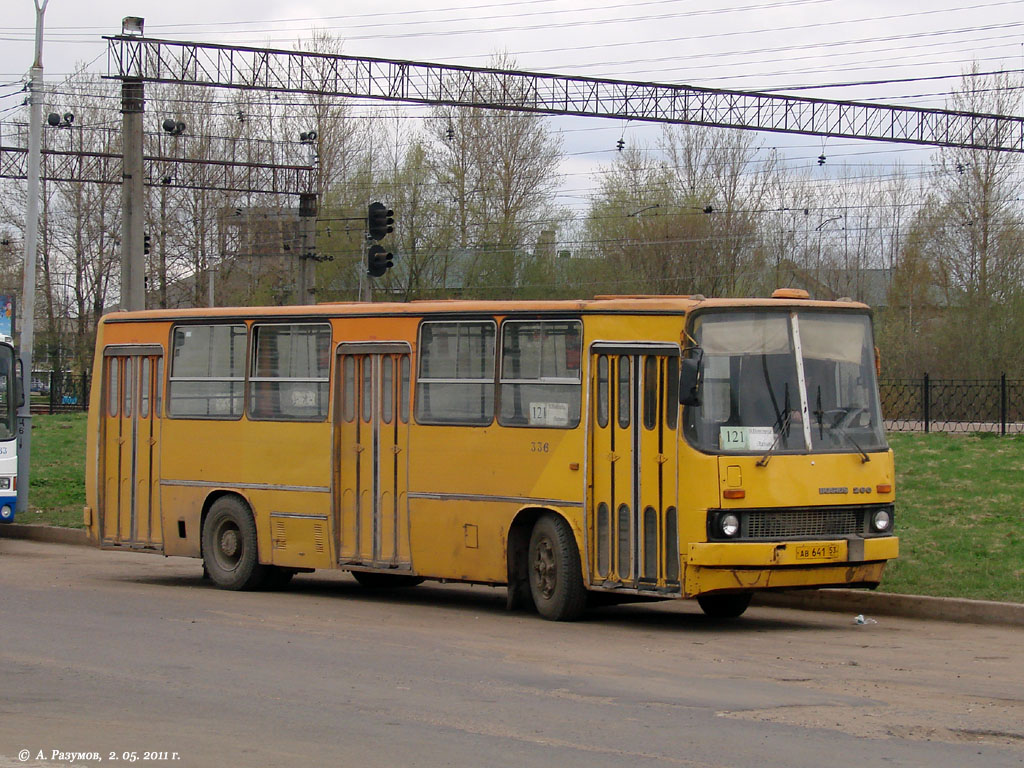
{"x": 740, "y": 44}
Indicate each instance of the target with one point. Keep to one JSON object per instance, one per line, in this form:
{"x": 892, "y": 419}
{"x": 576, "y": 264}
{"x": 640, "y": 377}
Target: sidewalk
{"x": 851, "y": 601}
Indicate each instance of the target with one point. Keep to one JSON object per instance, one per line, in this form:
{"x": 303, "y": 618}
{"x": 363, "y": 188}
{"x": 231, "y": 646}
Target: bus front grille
{"x": 765, "y": 524}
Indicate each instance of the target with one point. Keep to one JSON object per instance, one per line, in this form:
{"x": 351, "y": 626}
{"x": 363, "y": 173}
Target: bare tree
{"x": 500, "y": 170}
{"x": 971, "y": 232}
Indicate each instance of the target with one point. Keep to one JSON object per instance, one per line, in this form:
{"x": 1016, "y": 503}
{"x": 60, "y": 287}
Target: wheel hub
{"x": 544, "y": 568}
{"x": 229, "y": 542}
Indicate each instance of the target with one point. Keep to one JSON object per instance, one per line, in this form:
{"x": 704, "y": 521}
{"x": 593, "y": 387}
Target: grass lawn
{"x": 959, "y": 510}
{"x": 959, "y": 516}
{"x": 56, "y": 492}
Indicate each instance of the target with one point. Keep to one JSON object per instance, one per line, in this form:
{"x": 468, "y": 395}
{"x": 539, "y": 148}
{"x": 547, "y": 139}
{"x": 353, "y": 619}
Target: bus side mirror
{"x": 690, "y": 371}
{"x": 19, "y": 385}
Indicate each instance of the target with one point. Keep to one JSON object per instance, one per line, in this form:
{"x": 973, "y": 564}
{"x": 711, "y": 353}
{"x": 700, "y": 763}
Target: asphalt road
{"x": 113, "y": 654}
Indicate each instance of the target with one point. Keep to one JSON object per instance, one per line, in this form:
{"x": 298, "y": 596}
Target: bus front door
{"x": 371, "y": 456}
{"x": 633, "y": 526}
{"x": 130, "y": 451}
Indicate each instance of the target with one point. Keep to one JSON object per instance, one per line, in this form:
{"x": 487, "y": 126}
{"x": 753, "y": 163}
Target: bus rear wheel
{"x": 230, "y": 550}
{"x": 556, "y": 579}
{"x": 729, "y": 606}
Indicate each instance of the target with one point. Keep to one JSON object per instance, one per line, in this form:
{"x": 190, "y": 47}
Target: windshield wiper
{"x": 783, "y": 430}
{"x": 845, "y": 414}
{"x": 864, "y": 458}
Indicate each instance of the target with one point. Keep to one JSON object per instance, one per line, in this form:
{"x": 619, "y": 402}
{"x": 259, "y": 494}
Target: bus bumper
{"x": 745, "y": 566}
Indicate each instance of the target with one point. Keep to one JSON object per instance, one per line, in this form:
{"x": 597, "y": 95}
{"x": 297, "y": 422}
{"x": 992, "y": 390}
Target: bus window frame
{"x": 574, "y": 416}
{"x": 171, "y": 378}
{"x": 251, "y": 380}
{"x": 421, "y": 380}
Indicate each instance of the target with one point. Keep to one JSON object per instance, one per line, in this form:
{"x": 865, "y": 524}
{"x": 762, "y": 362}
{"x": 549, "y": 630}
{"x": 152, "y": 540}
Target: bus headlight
{"x": 729, "y": 525}
{"x": 5, "y": 483}
{"x": 881, "y": 521}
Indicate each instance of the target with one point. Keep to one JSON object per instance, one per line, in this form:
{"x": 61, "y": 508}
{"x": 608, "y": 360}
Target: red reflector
{"x": 884, "y": 488}
{"x": 734, "y": 493}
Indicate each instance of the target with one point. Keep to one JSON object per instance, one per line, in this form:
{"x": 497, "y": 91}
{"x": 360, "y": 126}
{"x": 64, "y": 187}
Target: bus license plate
{"x": 817, "y": 552}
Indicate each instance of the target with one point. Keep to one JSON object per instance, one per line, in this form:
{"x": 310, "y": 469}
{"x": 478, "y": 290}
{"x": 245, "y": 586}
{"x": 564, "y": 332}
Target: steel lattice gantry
{"x": 229, "y": 165}
{"x": 208, "y": 64}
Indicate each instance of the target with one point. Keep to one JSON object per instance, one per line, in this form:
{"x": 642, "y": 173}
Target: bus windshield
{"x": 8, "y": 405}
{"x": 778, "y": 381}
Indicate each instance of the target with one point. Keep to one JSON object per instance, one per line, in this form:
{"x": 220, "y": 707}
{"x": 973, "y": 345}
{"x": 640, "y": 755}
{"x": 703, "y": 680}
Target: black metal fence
{"x": 953, "y": 405}
{"x": 59, "y": 392}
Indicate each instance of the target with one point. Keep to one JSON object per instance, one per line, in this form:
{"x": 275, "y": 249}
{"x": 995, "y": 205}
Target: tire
{"x": 728, "y": 606}
{"x": 556, "y": 578}
{"x": 386, "y": 580}
{"x": 230, "y": 550}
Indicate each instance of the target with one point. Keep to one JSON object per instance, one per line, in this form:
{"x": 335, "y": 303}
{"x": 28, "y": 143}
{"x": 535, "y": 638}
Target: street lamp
{"x": 132, "y": 25}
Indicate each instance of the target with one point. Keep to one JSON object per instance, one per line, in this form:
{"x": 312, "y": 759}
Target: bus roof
{"x": 631, "y": 304}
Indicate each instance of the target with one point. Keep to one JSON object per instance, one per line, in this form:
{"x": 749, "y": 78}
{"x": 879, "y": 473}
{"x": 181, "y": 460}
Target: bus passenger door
{"x": 371, "y": 455}
{"x": 632, "y": 510}
{"x": 130, "y": 449}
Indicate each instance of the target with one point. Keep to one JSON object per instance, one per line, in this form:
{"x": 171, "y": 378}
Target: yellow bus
{"x": 615, "y": 449}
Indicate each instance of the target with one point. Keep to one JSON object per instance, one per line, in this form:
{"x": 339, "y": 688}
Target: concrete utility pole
{"x": 133, "y": 190}
{"x": 307, "y": 256}
{"x": 133, "y": 210}
{"x": 28, "y": 291}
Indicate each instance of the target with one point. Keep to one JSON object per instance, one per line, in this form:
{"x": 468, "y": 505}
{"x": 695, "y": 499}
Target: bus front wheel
{"x": 728, "y": 606}
{"x": 556, "y": 579}
{"x": 230, "y": 551}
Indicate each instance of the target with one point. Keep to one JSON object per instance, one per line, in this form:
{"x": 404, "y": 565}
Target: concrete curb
{"x": 855, "y": 601}
{"x": 852, "y": 601}
{"x": 48, "y": 533}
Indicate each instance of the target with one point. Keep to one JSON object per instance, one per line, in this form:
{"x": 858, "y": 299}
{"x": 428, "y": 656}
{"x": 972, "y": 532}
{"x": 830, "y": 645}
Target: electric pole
{"x": 28, "y": 291}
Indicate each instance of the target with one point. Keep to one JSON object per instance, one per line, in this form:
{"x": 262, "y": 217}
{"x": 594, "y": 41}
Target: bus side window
{"x": 290, "y": 371}
{"x": 455, "y": 384}
{"x": 540, "y": 373}
{"x": 207, "y": 371}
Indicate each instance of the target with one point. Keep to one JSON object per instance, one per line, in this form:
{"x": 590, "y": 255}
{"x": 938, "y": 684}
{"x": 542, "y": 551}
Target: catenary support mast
{"x": 168, "y": 61}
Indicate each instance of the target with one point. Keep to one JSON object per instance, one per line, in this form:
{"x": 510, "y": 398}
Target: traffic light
{"x": 378, "y": 261}
{"x": 379, "y": 220}
{"x": 145, "y": 244}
